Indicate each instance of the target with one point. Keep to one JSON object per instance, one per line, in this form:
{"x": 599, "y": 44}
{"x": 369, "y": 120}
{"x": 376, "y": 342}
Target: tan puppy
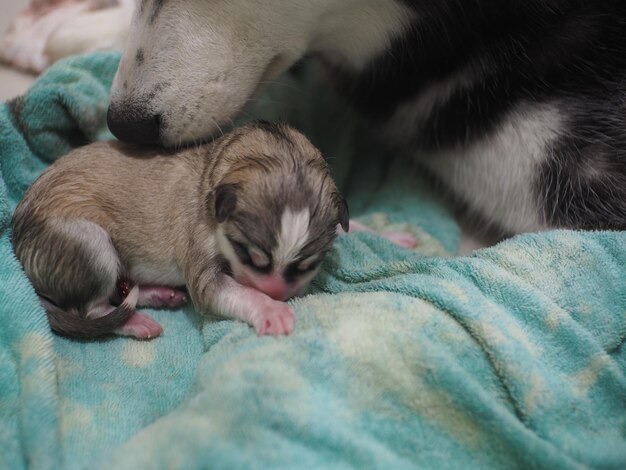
{"x": 243, "y": 223}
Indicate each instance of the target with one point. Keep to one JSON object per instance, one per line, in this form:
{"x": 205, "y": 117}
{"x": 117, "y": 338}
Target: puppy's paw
{"x": 155, "y": 296}
{"x": 403, "y": 239}
{"x": 140, "y": 326}
{"x": 274, "y": 319}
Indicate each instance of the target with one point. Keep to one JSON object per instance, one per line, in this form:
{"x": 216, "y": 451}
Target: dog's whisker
{"x": 217, "y": 125}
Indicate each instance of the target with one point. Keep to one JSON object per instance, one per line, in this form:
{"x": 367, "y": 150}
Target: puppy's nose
{"x": 275, "y": 287}
{"x": 133, "y": 127}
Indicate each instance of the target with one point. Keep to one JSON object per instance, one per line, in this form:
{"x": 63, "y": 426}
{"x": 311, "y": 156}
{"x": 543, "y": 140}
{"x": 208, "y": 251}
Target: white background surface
{"x": 12, "y": 83}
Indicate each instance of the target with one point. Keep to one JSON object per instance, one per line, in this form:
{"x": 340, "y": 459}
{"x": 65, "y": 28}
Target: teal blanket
{"x": 513, "y": 357}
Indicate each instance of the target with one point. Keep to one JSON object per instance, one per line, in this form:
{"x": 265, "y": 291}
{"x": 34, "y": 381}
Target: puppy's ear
{"x": 343, "y": 213}
{"x": 225, "y": 201}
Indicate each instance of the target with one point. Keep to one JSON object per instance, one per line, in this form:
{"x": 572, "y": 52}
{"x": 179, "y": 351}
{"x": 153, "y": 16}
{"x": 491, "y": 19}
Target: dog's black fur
{"x": 569, "y": 53}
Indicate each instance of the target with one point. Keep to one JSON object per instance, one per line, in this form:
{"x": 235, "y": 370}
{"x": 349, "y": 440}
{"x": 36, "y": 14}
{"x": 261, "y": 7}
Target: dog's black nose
{"x": 133, "y": 127}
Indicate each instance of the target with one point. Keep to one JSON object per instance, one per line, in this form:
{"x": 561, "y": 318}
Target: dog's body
{"x": 519, "y": 107}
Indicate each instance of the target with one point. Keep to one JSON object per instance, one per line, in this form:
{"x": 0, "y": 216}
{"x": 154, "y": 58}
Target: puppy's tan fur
{"x": 158, "y": 211}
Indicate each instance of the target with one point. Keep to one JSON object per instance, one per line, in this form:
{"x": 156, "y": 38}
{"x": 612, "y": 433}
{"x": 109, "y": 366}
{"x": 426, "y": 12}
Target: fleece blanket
{"x": 513, "y": 357}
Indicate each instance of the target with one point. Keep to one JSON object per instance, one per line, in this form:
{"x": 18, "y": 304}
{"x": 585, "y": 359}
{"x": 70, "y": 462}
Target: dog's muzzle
{"x": 129, "y": 125}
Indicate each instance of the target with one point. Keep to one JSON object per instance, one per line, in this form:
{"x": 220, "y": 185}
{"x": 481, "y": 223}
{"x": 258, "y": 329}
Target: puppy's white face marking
{"x": 294, "y": 233}
{"x": 197, "y": 63}
{"x": 227, "y": 251}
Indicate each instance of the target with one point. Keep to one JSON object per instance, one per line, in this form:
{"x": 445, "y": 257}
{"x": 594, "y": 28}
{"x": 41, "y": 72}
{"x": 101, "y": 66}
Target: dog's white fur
{"x": 496, "y": 174}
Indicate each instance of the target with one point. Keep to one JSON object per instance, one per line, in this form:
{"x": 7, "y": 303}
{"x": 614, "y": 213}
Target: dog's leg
{"x": 582, "y": 183}
{"x": 496, "y": 175}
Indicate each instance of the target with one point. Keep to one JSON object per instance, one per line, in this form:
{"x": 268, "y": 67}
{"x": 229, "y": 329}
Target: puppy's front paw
{"x": 274, "y": 318}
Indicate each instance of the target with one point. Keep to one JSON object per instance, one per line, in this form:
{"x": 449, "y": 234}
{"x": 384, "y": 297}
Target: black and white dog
{"x": 519, "y": 106}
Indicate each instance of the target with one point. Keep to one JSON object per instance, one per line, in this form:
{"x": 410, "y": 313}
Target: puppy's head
{"x": 277, "y": 209}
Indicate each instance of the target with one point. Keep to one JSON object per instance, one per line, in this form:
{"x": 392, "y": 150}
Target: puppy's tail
{"x": 75, "y": 326}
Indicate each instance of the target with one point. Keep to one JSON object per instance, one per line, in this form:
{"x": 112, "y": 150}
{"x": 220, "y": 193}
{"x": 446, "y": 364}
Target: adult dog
{"x": 519, "y": 107}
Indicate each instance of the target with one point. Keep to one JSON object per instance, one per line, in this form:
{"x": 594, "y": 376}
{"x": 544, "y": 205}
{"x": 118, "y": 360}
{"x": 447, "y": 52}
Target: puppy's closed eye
{"x": 252, "y": 256}
{"x": 308, "y": 264}
{"x": 259, "y": 258}
{"x": 302, "y": 267}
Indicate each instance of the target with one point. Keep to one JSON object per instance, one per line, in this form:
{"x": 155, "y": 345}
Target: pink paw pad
{"x": 160, "y": 297}
{"x": 276, "y": 319}
{"x": 140, "y": 326}
{"x": 403, "y": 239}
